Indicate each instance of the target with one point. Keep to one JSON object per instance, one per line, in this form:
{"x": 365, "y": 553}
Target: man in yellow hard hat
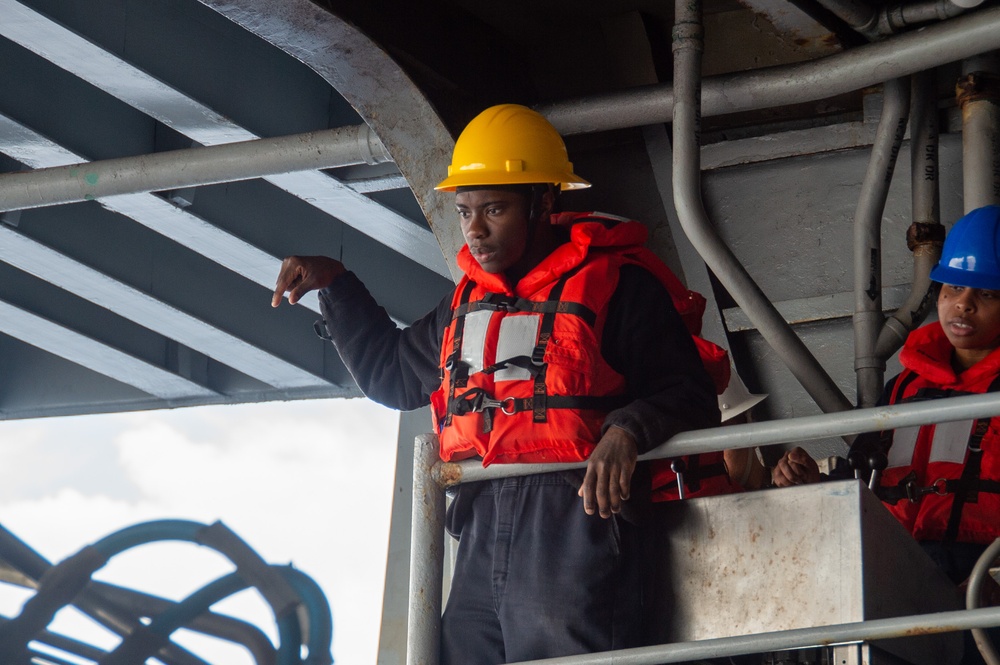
{"x": 562, "y": 343}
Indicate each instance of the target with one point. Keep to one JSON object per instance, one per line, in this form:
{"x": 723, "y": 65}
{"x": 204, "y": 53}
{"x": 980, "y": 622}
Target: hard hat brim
{"x": 484, "y": 179}
{"x": 732, "y": 410}
{"x": 966, "y": 278}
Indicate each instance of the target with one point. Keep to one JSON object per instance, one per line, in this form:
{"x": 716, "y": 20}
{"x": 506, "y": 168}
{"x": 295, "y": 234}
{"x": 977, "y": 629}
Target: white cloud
{"x": 308, "y": 483}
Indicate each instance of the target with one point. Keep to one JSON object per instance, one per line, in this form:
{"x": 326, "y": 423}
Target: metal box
{"x": 799, "y": 557}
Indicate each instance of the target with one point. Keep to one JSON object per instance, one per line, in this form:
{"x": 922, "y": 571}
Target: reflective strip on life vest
{"x": 949, "y": 444}
{"x": 951, "y": 441}
{"x": 518, "y": 336}
{"x": 904, "y": 441}
{"x": 474, "y": 339}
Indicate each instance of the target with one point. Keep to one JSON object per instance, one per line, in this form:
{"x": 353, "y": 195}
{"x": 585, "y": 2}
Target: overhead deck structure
{"x": 136, "y": 265}
{"x": 159, "y": 297}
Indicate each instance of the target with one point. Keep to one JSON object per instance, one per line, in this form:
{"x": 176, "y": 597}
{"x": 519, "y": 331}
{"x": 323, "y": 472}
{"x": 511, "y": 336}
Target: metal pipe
{"x": 925, "y": 196}
{"x": 423, "y": 622}
{"x": 763, "y": 433}
{"x": 871, "y": 64}
{"x": 926, "y": 234}
{"x": 846, "y": 633}
{"x": 176, "y": 169}
{"x": 868, "y": 316}
{"x": 687, "y": 47}
{"x": 862, "y": 17}
{"x": 901, "y": 16}
{"x": 980, "y": 572}
{"x": 979, "y": 98}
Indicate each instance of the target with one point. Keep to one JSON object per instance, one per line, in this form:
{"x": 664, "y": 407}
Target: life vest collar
{"x": 928, "y": 353}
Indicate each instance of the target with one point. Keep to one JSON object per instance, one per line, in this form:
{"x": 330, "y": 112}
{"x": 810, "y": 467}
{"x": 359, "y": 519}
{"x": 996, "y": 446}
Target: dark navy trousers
{"x": 536, "y": 577}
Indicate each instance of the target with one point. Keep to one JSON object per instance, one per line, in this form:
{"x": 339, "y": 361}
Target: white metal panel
{"x": 95, "y": 355}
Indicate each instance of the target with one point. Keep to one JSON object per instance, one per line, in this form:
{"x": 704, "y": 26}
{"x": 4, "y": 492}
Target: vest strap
{"x": 477, "y": 401}
{"x": 497, "y": 302}
{"x": 458, "y": 370}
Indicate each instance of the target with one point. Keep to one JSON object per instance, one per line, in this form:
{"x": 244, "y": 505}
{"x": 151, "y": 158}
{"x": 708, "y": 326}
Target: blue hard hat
{"x": 971, "y": 253}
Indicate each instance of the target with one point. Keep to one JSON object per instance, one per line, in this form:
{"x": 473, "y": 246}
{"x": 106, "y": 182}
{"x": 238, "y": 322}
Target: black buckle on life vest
{"x": 524, "y": 362}
{"x": 914, "y": 493}
{"x": 498, "y": 302}
{"x": 904, "y": 489}
{"x": 477, "y": 401}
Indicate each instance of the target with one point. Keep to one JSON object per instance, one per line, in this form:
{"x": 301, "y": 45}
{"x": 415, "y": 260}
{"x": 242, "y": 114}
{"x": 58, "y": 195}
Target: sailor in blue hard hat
{"x": 969, "y": 273}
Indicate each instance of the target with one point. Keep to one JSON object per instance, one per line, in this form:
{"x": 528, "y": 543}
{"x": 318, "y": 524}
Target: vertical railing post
{"x": 426, "y": 556}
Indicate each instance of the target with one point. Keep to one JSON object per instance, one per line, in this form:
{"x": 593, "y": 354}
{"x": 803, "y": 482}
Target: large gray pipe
{"x": 192, "y": 167}
{"x": 687, "y": 47}
{"x": 871, "y": 64}
{"x": 868, "y": 316}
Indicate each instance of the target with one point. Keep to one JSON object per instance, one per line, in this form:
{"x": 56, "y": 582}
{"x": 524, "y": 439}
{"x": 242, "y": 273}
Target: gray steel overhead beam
{"x": 97, "y": 356}
{"x": 31, "y": 148}
{"x": 118, "y": 78}
{"x": 155, "y": 213}
{"x": 375, "y": 86}
{"x": 46, "y": 263}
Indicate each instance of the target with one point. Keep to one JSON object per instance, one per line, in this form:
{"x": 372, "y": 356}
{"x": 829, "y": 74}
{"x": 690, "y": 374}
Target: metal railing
{"x": 431, "y": 477}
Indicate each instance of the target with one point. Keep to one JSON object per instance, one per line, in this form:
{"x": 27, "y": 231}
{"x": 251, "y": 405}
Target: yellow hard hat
{"x": 510, "y": 144}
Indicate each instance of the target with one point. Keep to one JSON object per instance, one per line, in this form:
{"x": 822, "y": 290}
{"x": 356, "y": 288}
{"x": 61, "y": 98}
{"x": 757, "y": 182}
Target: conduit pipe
{"x": 978, "y": 95}
{"x": 192, "y": 167}
{"x": 875, "y": 23}
{"x": 926, "y": 235}
{"x": 899, "y": 17}
{"x": 871, "y": 64}
{"x": 687, "y": 48}
{"x": 860, "y": 15}
{"x": 868, "y": 316}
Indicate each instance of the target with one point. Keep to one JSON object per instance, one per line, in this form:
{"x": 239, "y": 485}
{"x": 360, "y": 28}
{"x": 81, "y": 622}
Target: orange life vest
{"x": 704, "y": 475}
{"x": 943, "y": 481}
{"x": 523, "y": 377}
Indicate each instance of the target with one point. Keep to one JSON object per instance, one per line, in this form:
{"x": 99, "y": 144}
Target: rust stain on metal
{"x": 448, "y": 474}
{"x": 934, "y": 630}
{"x": 977, "y": 86}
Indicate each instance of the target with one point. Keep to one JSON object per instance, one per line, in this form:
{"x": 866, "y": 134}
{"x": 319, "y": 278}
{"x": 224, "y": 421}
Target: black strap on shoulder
{"x": 458, "y": 370}
{"x": 539, "y": 394}
{"x": 496, "y": 302}
{"x": 967, "y": 489}
{"x": 477, "y": 401}
{"x": 902, "y": 382}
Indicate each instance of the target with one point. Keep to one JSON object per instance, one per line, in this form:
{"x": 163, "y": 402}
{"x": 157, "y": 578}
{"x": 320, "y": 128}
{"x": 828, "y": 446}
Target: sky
{"x": 307, "y": 483}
